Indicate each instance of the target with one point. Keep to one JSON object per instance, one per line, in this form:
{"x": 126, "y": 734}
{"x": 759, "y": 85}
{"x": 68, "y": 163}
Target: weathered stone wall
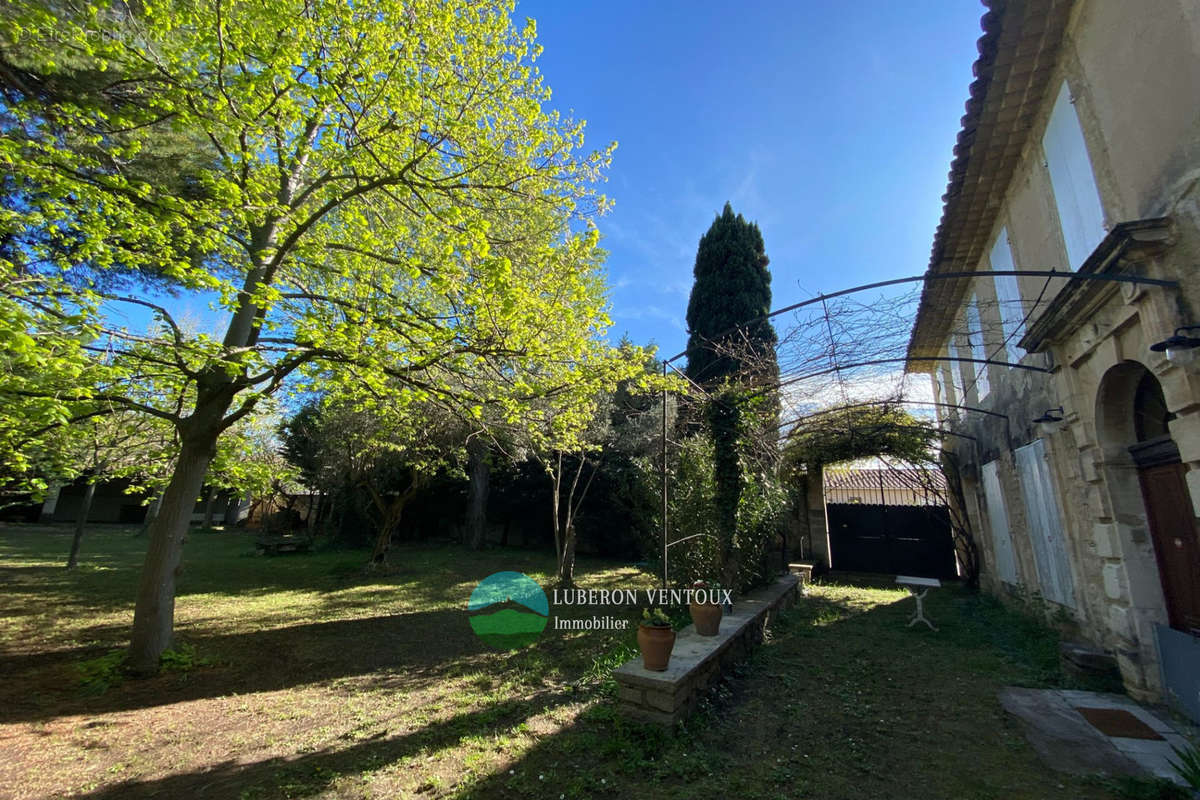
{"x": 1134, "y": 75}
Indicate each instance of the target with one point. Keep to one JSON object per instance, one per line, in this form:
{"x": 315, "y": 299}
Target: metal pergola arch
{"x": 837, "y": 369}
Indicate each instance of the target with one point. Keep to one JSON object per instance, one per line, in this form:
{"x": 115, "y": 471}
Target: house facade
{"x": 1079, "y": 153}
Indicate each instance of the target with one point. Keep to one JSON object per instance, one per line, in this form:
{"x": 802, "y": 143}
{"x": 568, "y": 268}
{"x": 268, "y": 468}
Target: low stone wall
{"x": 697, "y": 662}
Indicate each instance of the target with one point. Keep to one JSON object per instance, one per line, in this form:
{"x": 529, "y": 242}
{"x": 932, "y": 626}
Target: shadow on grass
{"x": 842, "y": 701}
{"x": 32, "y": 577}
{"x": 309, "y": 774}
{"x": 111, "y": 561}
{"x": 408, "y": 650}
{"x": 419, "y": 648}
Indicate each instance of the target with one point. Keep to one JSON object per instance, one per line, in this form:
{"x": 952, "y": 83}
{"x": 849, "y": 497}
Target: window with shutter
{"x": 1044, "y": 521}
{"x": 956, "y": 370}
{"x": 997, "y": 515}
{"x": 1073, "y": 181}
{"x": 978, "y": 347}
{"x": 1008, "y": 296}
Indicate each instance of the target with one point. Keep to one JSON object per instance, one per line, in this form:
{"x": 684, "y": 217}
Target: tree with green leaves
{"x": 249, "y": 463}
{"x": 385, "y": 203}
{"x": 860, "y": 431}
{"x": 360, "y": 445}
{"x": 572, "y": 454}
{"x": 109, "y": 446}
{"x": 42, "y": 362}
{"x": 300, "y": 443}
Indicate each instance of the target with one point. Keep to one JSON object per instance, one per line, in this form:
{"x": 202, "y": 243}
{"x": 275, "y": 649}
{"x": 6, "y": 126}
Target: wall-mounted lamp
{"x": 1180, "y": 349}
{"x": 1051, "y": 420}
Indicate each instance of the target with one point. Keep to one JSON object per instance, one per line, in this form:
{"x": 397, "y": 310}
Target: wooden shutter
{"x": 1073, "y": 182}
{"x": 997, "y": 514}
{"x": 1044, "y": 522}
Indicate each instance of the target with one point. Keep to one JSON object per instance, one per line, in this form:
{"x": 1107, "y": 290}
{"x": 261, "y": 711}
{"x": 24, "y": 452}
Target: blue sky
{"x": 829, "y": 124}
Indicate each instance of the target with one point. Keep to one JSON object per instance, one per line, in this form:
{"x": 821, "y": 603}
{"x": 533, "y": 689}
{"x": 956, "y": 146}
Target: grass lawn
{"x": 303, "y": 677}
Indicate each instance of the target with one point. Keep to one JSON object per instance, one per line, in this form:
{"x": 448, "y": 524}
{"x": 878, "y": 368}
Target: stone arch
{"x": 1129, "y": 412}
{"x": 1119, "y": 421}
{"x": 1116, "y": 431}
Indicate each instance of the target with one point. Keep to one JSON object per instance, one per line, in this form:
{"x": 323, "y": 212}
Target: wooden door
{"x": 1176, "y": 546}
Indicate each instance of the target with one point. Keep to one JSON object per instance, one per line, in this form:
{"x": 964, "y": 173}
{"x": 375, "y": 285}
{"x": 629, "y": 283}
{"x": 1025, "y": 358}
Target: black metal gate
{"x": 893, "y": 540}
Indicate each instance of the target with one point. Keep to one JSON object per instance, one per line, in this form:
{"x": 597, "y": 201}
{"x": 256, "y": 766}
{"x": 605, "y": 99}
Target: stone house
{"x": 1079, "y": 152}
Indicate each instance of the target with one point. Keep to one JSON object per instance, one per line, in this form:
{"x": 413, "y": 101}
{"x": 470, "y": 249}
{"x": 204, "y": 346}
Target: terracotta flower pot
{"x": 656, "y": 643}
{"x": 706, "y": 617}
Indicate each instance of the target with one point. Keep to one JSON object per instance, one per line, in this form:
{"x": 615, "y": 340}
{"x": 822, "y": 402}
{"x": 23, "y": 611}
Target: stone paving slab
{"x": 1067, "y": 742}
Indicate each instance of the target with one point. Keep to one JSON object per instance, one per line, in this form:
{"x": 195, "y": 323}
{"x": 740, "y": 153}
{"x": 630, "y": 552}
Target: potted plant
{"x": 655, "y": 639}
{"x": 706, "y": 616}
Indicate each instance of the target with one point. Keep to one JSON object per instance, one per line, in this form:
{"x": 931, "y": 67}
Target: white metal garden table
{"x": 912, "y": 584}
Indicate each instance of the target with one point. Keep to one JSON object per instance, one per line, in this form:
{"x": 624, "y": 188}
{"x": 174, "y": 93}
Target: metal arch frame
{"x": 1037, "y": 273}
{"x": 869, "y": 403}
{"x": 821, "y": 298}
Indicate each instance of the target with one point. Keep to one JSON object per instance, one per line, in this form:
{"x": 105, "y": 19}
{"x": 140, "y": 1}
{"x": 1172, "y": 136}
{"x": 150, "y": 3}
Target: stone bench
{"x": 697, "y": 662}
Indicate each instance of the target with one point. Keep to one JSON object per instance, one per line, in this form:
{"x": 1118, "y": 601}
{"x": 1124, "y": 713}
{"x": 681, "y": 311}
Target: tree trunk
{"x": 555, "y": 499}
{"x": 479, "y": 472}
{"x": 210, "y": 506}
{"x": 154, "y": 614}
{"x": 151, "y": 513}
{"x": 323, "y": 503}
{"x": 85, "y": 509}
{"x": 387, "y": 529}
{"x": 383, "y": 544}
{"x": 390, "y": 515}
{"x": 566, "y": 567}
{"x": 730, "y": 569}
{"x": 566, "y": 555}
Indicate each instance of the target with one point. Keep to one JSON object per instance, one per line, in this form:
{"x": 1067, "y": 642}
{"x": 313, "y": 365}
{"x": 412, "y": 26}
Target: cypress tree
{"x": 731, "y": 349}
{"x": 728, "y": 334}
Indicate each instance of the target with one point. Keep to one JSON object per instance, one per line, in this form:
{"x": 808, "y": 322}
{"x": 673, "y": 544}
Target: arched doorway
{"x": 1133, "y": 412}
